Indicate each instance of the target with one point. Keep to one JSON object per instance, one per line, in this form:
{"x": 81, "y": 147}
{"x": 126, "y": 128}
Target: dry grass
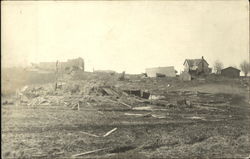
{"x": 56, "y": 131}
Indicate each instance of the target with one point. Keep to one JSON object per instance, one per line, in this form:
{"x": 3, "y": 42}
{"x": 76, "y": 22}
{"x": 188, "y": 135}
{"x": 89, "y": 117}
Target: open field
{"x": 129, "y": 79}
{"x": 214, "y": 125}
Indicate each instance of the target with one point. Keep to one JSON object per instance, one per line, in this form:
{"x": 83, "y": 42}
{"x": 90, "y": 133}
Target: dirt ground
{"x": 208, "y": 128}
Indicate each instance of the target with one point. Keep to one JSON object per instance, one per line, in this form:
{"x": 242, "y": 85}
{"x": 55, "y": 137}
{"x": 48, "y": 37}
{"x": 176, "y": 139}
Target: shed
{"x": 185, "y": 76}
{"x": 230, "y": 72}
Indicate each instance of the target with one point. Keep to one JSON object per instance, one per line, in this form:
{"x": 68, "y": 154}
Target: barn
{"x": 167, "y": 71}
{"x": 230, "y": 72}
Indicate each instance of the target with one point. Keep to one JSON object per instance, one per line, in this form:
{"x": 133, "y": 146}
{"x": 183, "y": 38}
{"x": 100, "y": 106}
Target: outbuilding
{"x": 230, "y": 72}
{"x": 185, "y": 76}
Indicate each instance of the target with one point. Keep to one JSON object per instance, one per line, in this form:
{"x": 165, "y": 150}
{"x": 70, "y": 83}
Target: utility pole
{"x": 56, "y": 75}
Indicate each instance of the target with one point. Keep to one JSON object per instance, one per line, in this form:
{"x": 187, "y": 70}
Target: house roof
{"x": 168, "y": 71}
{"x": 194, "y": 62}
{"x": 170, "y": 68}
{"x": 230, "y": 68}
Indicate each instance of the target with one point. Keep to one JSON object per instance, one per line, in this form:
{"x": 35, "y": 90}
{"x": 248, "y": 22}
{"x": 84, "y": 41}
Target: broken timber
{"x": 111, "y": 131}
{"x": 89, "y": 134}
{"x": 88, "y": 152}
{"x": 125, "y": 104}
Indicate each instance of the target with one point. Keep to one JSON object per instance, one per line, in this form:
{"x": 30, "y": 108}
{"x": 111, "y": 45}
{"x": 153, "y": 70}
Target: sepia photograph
{"x": 128, "y": 79}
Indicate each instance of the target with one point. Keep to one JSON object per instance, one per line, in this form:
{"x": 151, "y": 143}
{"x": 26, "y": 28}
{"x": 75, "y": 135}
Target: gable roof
{"x": 231, "y": 68}
{"x": 194, "y": 62}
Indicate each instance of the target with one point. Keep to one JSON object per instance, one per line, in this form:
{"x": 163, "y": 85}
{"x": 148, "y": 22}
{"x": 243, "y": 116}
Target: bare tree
{"x": 245, "y": 67}
{"x": 218, "y": 66}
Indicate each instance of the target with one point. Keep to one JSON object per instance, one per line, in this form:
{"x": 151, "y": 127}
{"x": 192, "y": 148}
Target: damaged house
{"x": 197, "y": 66}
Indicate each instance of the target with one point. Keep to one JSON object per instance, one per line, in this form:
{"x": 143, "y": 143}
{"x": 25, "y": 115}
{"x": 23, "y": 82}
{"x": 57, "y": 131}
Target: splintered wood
{"x": 111, "y": 131}
{"x": 105, "y": 135}
{"x": 90, "y": 134}
{"x": 88, "y": 152}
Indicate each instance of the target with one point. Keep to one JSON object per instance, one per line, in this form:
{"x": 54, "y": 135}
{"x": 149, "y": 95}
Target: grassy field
{"x": 213, "y": 131}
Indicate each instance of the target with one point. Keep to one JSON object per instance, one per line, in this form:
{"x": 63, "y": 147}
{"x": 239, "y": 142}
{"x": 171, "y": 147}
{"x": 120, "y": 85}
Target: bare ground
{"x": 213, "y": 131}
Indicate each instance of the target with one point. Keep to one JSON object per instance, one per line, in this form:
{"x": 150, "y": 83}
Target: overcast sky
{"x": 125, "y": 35}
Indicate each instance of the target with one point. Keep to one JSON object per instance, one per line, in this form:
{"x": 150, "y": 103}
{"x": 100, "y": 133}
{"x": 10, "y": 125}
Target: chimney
{"x": 202, "y": 64}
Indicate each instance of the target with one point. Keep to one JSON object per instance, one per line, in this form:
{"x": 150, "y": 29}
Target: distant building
{"x": 44, "y": 66}
{"x": 70, "y": 64}
{"x": 78, "y": 62}
{"x": 104, "y": 71}
{"x": 197, "y": 66}
{"x": 167, "y": 71}
{"x": 230, "y": 72}
{"x": 185, "y": 76}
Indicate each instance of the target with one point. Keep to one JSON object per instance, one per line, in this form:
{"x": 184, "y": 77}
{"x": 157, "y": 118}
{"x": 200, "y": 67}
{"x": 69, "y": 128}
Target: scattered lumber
{"x": 100, "y": 112}
{"x": 209, "y": 108}
{"x": 147, "y": 115}
{"x": 196, "y": 117}
{"x": 148, "y": 108}
{"x": 133, "y": 114}
{"x": 143, "y": 108}
{"x": 58, "y": 153}
{"x": 39, "y": 155}
{"x": 90, "y": 134}
{"x": 110, "y": 100}
{"x": 88, "y": 152}
{"x": 109, "y": 132}
{"x": 158, "y": 116}
{"x": 105, "y": 135}
{"x": 125, "y": 104}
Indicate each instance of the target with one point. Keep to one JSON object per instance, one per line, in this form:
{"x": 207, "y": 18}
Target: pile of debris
{"x": 74, "y": 94}
{"x": 28, "y": 93}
